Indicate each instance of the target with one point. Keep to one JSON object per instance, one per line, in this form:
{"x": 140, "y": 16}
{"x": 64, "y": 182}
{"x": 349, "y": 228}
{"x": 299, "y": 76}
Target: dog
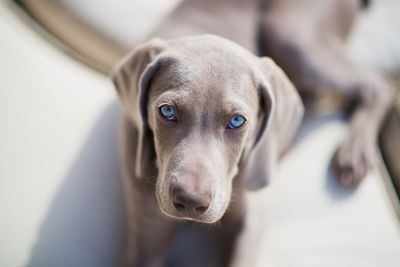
{"x": 200, "y": 113}
{"x": 207, "y": 116}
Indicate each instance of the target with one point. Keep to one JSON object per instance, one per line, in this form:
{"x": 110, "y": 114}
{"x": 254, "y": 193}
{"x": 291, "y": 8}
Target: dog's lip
{"x": 194, "y": 218}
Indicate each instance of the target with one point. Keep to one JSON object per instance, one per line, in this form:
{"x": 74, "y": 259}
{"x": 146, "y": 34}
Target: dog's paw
{"x": 351, "y": 161}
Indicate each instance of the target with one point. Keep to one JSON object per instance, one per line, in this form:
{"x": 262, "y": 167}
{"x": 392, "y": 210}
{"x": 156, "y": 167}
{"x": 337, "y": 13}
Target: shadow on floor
{"x": 84, "y": 223}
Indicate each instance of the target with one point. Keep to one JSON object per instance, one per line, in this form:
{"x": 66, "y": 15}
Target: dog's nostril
{"x": 179, "y": 206}
{"x": 201, "y": 209}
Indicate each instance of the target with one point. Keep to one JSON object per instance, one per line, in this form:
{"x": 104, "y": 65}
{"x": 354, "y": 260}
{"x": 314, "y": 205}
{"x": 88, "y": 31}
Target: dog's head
{"x": 202, "y": 107}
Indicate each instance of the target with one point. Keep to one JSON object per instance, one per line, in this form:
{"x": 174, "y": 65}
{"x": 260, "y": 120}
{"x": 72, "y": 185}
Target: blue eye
{"x": 236, "y": 121}
{"x": 168, "y": 112}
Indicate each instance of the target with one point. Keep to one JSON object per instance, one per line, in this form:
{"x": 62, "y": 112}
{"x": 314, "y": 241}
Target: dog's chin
{"x": 204, "y": 218}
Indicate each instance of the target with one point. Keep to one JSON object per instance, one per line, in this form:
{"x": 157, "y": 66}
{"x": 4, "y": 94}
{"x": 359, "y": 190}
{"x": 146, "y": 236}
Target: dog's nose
{"x": 190, "y": 203}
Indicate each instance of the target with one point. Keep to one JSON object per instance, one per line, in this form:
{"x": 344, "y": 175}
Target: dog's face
{"x": 201, "y": 107}
{"x": 202, "y": 113}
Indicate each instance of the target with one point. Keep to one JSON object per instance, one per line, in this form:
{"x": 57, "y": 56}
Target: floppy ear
{"x": 132, "y": 78}
{"x": 281, "y": 112}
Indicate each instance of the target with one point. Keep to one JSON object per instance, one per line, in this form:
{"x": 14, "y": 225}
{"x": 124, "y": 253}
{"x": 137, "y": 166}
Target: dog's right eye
{"x": 236, "y": 121}
{"x": 168, "y": 112}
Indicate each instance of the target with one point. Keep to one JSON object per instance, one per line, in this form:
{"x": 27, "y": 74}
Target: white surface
{"x": 125, "y": 21}
{"x": 60, "y": 195}
{"x": 375, "y": 41}
{"x": 59, "y": 180}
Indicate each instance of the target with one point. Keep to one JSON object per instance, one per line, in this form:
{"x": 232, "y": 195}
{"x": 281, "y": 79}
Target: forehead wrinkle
{"x": 214, "y": 69}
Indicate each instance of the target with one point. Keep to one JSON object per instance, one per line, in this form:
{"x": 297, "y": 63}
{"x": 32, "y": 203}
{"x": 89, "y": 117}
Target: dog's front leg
{"x": 248, "y": 239}
{"x": 149, "y": 231}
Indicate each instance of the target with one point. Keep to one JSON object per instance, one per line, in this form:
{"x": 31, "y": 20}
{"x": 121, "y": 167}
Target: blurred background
{"x": 61, "y": 200}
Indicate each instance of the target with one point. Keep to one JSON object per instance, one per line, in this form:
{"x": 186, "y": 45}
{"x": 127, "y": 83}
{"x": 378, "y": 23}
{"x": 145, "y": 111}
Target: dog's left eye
{"x": 168, "y": 112}
{"x": 236, "y": 121}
